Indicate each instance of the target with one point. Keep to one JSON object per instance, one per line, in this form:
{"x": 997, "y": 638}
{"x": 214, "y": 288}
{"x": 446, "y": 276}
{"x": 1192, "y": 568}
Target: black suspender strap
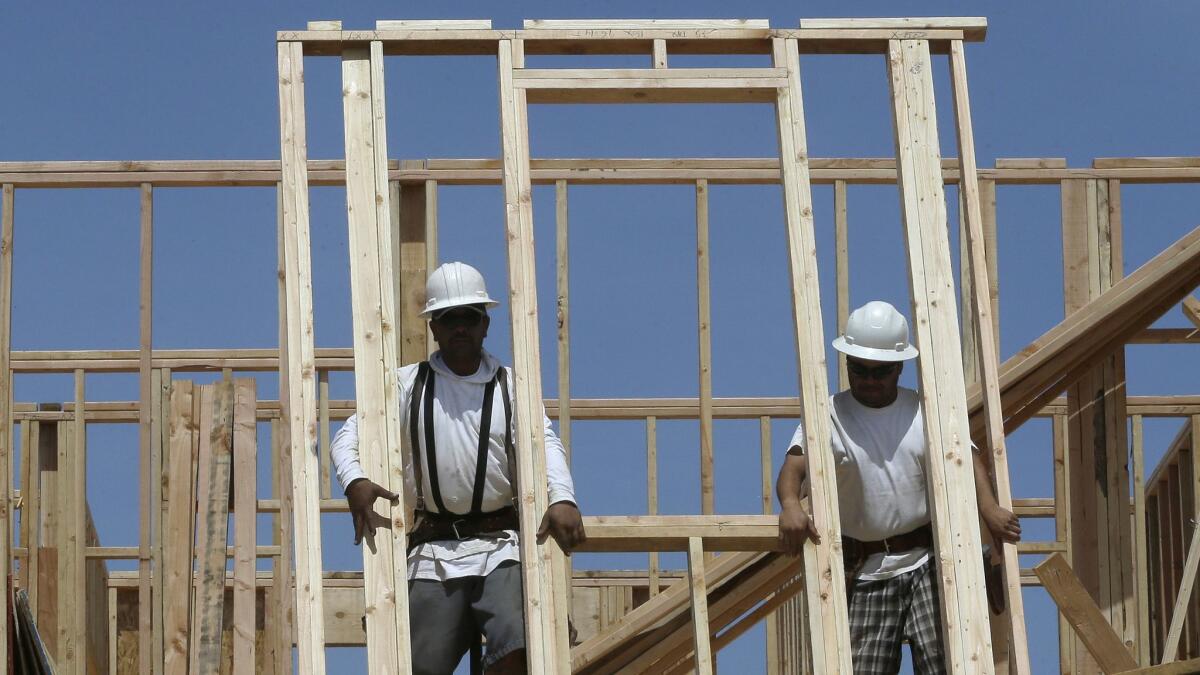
{"x": 485, "y": 436}
{"x": 509, "y": 450}
{"x": 414, "y": 411}
{"x": 430, "y": 446}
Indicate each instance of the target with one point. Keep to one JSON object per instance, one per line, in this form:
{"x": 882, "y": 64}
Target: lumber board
{"x": 31, "y": 495}
{"x": 6, "y": 261}
{"x": 662, "y": 85}
{"x": 1191, "y": 309}
{"x": 1140, "y": 545}
{"x": 562, "y": 257}
{"x": 1183, "y": 600}
{"x": 544, "y": 632}
{"x": 824, "y": 577}
{"x": 413, "y": 270}
{"x": 704, "y": 340}
{"x": 987, "y": 342}
{"x": 433, "y": 24}
{"x": 158, "y": 434}
{"x": 216, "y": 431}
{"x": 245, "y": 481}
{"x": 1176, "y": 668}
{"x": 146, "y": 651}
{"x": 179, "y": 527}
{"x": 699, "y": 593}
{"x": 301, "y": 368}
{"x": 671, "y": 533}
{"x": 368, "y": 215}
{"x": 1076, "y": 604}
{"x": 652, "y": 494}
{"x": 951, "y": 479}
{"x": 76, "y": 598}
{"x": 841, "y": 239}
{"x": 643, "y": 24}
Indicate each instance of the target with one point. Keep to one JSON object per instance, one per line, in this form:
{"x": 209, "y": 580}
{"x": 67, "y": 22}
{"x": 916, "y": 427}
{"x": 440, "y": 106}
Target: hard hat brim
{"x": 456, "y": 302}
{"x": 874, "y": 354}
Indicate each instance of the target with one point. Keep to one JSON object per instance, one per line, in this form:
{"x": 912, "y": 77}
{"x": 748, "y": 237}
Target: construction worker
{"x": 459, "y": 469}
{"x": 878, "y": 443}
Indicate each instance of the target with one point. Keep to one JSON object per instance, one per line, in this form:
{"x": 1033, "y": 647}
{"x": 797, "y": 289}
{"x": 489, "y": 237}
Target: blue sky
{"x": 94, "y": 81}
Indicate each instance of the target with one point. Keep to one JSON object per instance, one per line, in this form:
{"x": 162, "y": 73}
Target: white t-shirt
{"x": 879, "y": 454}
{"x": 457, "y": 410}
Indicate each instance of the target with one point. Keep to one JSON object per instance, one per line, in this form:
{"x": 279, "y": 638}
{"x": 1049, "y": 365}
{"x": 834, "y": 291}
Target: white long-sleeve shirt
{"x": 457, "y": 410}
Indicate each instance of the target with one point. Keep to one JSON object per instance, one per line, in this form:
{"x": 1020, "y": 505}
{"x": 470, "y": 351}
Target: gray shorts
{"x": 445, "y": 616}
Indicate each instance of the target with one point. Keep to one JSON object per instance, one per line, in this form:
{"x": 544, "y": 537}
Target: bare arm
{"x": 1004, "y": 524}
{"x": 795, "y": 525}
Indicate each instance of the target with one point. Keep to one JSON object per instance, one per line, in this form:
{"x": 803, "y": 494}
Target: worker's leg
{"x": 923, "y": 621}
{"x": 499, "y": 609}
{"x": 876, "y": 617}
{"x": 440, "y": 623}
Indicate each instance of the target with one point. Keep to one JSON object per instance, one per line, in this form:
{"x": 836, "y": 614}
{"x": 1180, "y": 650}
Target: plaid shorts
{"x": 885, "y": 613}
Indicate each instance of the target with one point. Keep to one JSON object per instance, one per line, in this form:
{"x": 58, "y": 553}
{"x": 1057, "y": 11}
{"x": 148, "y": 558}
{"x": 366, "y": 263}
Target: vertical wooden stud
{"x": 841, "y": 244}
{"x": 704, "y": 313}
{"x": 563, "y": 257}
{"x": 700, "y": 637}
{"x": 323, "y": 432}
{"x": 245, "y": 474}
{"x": 180, "y": 521}
{"x": 301, "y": 362}
{"x": 943, "y": 390}
{"x": 987, "y": 343}
{"x": 1140, "y": 544}
{"x": 77, "y": 598}
{"x": 216, "y": 431}
{"x": 660, "y": 54}
{"x": 6, "y": 261}
{"x": 652, "y": 493}
{"x": 145, "y": 430}
{"x": 825, "y": 586}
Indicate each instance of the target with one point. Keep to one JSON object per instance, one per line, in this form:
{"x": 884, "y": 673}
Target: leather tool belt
{"x": 452, "y": 526}
{"x": 856, "y": 552}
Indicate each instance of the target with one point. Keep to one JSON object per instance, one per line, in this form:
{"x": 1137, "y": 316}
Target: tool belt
{"x": 453, "y": 526}
{"x": 855, "y": 552}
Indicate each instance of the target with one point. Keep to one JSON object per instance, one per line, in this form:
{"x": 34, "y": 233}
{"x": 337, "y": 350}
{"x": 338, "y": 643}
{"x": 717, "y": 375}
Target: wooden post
{"x": 841, "y": 243}
{"x": 413, "y": 272}
{"x": 825, "y": 586}
{"x": 375, "y": 359}
{"x": 1102, "y": 537}
{"x": 942, "y": 386}
{"x": 323, "y": 432}
{"x": 216, "y": 441}
{"x": 180, "y": 521}
{"x": 700, "y": 638}
{"x": 282, "y": 579}
{"x": 1140, "y": 544}
{"x": 704, "y": 312}
{"x": 77, "y": 597}
{"x": 563, "y": 258}
{"x": 1183, "y": 599}
{"x": 6, "y": 261}
{"x": 652, "y": 494}
{"x": 545, "y": 633}
{"x": 245, "y": 477}
{"x": 431, "y": 248}
{"x": 987, "y": 341}
{"x": 31, "y": 461}
{"x": 301, "y": 367}
{"x": 155, "y": 518}
{"x": 145, "y": 432}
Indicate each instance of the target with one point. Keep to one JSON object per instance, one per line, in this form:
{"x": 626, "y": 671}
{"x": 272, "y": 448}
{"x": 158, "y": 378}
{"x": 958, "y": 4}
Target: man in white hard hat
{"x": 879, "y": 453}
{"x": 459, "y": 471}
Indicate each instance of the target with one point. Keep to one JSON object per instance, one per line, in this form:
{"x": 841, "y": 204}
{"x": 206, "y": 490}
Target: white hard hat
{"x": 455, "y": 284}
{"x": 876, "y": 332}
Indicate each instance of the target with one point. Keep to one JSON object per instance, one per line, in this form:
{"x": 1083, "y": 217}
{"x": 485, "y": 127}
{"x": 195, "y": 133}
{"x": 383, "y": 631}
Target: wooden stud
{"x": 545, "y": 636}
{"x": 704, "y": 311}
{"x": 563, "y": 257}
{"x": 6, "y": 261}
{"x": 216, "y": 431}
{"x": 696, "y": 558}
{"x": 431, "y": 246}
{"x": 841, "y": 243}
{"x": 77, "y": 596}
{"x": 323, "y": 432}
{"x": 1183, "y": 599}
{"x": 1085, "y": 617}
{"x": 283, "y": 581}
{"x": 413, "y": 270}
{"x": 1191, "y": 309}
{"x": 824, "y": 577}
{"x": 112, "y": 631}
{"x": 31, "y": 512}
{"x": 245, "y": 475}
{"x": 310, "y": 630}
{"x": 659, "y": 53}
{"x": 652, "y": 493}
{"x": 951, "y": 478}
{"x": 987, "y": 342}
{"x": 177, "y": 568}
{"x": 369, "y": 215}
{"x": 154, "y": 517}
{"x": 1142, "y": 596}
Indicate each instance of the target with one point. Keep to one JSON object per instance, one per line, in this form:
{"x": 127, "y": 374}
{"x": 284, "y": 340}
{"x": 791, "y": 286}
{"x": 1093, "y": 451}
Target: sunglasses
{"x": 871, "y": 372}
{"x": 460, "y": 316}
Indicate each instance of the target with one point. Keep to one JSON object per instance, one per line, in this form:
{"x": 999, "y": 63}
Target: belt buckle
{"x": 454, "y": 528}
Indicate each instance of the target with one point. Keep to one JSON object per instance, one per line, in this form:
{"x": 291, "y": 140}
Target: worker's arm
{"x": 562, "y": 519}
{"x": 361, "y": 493}
{"x": 795, "y": 525}
{"x": 1004, "y": 524}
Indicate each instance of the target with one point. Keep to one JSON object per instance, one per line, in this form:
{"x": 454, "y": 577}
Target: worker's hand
{"x": 1003, "y": 524}
{"x": 796, "y": 527}
{"x": 361, "y": 496}
{"x": 563, "y": 522}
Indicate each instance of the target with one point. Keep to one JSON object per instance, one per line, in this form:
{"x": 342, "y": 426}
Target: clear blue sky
{"x": 99, "y": 81}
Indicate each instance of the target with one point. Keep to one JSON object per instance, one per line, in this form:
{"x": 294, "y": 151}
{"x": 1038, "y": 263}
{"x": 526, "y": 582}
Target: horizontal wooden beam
{"x": 671, "y": 533}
